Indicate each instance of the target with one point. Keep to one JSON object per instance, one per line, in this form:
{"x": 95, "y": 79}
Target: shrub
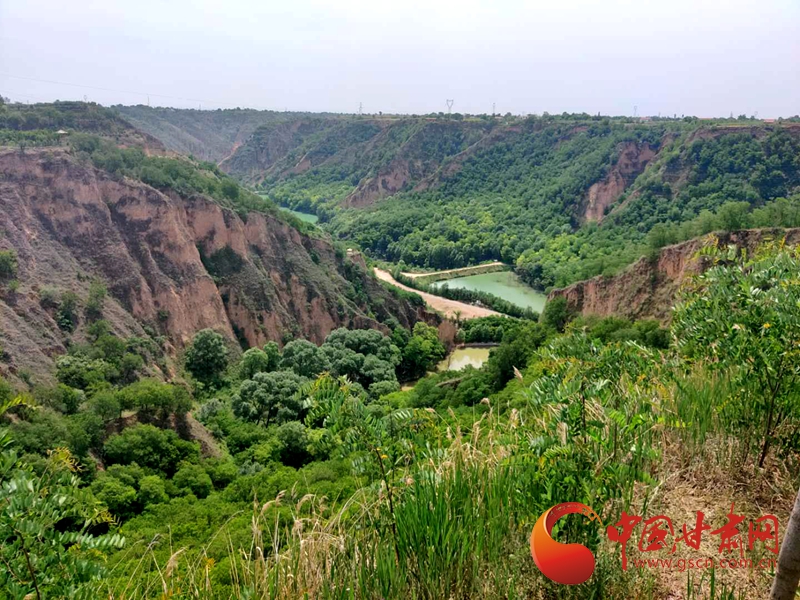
{"x": 150, "y": 447}
{"x": 8, "y": 264}
{"x": 193, "y": 478}
{"x": 151, "y": 491}
{"x": 94, "y": 303}
{"x": 49, "y": 297}
{"x": 67, "y": 315}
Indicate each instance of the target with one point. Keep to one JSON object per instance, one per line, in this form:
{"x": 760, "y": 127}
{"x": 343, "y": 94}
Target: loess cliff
{"x": 172, "y": 265}
{"x": 650, "y": 287}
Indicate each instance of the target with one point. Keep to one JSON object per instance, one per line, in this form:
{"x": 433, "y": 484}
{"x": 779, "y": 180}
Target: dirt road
{"x": 442, "y": 305}
{"x": 463, "y": 271}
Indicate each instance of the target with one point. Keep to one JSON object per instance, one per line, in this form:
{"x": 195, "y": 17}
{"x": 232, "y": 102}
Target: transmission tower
{"x": 449, "y": 105}
{"x": 493, "y": 111}
{"x": 635, "y": 111}
{"x": 360, "y": 108}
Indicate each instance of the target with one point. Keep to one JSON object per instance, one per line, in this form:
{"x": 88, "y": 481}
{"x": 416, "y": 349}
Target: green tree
{"x": 294, "y": 444}
{"x": 119, "y": 497}
{"x": 269, "y": 396}
{"x": 304, "y": 358}
{"x": 422, "y": 351}
{"x": 67, "y": 314}
{"x": 80, "y": 372}
{"x": 273, "y": 351}
{"x": 153, "y": 396}
{"x": 556, "y": 314}
{"x": 194, "y": 479}
{"x": 149, "y": 447}
{"x": 255, "y": 361}
{"x": 41, "y": 557}
{"x": 151, "y": 491}
{"x": 106, "y": 405}
{"x": 206, "y": 357}
{"x": 743, "y": 316}
{"x": 94, "y": 303}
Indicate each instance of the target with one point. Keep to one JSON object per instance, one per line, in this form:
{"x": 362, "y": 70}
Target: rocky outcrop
{"x": 172, "y": 265}
{"x": 649, "y": 287}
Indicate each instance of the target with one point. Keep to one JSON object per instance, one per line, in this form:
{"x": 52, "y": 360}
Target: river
{"x": 504, "y": 284}
{"x": 303, "y": 216}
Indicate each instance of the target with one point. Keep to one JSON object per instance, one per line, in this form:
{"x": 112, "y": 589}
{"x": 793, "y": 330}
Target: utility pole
{"x": 449, "y": 105}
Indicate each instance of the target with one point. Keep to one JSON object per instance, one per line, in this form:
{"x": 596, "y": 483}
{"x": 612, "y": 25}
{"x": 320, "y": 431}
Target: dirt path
{"x": 465, "y": 270}
{"x": 443, "y": 305}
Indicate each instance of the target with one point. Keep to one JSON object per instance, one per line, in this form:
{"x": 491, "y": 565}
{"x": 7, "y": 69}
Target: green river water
{"x": 500, "y": 283}
{"x": 303, "y": 216}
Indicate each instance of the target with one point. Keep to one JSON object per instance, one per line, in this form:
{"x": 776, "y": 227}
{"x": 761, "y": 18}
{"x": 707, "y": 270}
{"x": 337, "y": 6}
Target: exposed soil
{"x": 71, "y": 224}
{"x": 649, "y": 288}
{"x": 633, "y": 158}
{"x": 447, "y": 307}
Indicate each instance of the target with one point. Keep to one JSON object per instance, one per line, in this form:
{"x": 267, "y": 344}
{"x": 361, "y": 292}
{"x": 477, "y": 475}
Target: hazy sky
{"x": 701, "y": 57}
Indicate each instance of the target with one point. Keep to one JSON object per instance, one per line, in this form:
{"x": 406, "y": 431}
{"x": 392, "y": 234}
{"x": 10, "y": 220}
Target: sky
{"x": 694, "y": 57}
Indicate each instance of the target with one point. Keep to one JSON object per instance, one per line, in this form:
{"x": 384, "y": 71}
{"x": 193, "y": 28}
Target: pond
{"x": 464, "y": 357}
{"x": 458, "y": 359}
{"x": 504, "y": 284}
{"x": 303, "y": 216}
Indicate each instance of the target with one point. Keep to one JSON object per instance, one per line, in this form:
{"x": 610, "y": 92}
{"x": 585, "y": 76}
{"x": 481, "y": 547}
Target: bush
{"x": 67, "y": 315}
{"x": 49, "y": 297}
{"x": 8, "y": 264}
{"x": 151, "y": 448}
{"x": 194, "y": 479}
{"x": 94, "y": 304}
{"x": 151, "y": 491}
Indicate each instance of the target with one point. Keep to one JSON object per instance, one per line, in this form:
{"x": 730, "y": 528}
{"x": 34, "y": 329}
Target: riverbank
{"x": 461, "y": 272}
{"x": 451, "y": 309}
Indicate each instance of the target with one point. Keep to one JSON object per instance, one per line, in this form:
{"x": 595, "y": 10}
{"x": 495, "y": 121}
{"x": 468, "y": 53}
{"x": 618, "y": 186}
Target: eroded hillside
{"x": 173, "y": 265}
{"x": 649, "y": 288}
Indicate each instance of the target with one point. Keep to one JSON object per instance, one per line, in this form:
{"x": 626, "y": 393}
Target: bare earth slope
{"x": 649, "y": 288}
{"x": 71, "y": 224}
